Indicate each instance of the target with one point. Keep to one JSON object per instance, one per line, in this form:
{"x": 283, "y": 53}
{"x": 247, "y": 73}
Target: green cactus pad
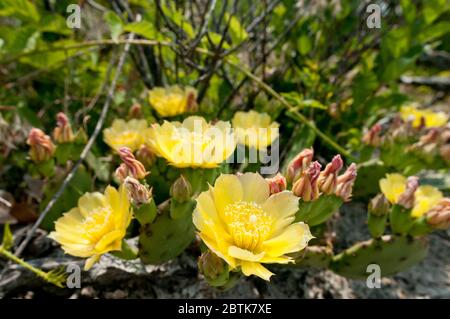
{"x": 392, "y": 253}
{"x": 316, "y": 212}
{"x": 314, "y": 256}
{"x": 165, "y": 238}
{"x": 369, "y": 173}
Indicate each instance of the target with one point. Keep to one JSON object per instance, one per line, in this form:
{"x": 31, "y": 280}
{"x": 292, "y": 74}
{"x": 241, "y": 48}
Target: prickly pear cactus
{"x": 392, "y": 253}
{"x": 369, "y": 173}
{"x": 314, "y": 256}
{"x": 168, "y": 235}
{"x": 316, "y": 212}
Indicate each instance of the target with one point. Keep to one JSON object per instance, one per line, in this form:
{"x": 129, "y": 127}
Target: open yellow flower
{"x": 255, "y": 129}
{"x": 173, "y": 100}
{"x": 244, "y": 225}
{"x": 193, "y": 143}
{"x": 393, "y": 186}
{"x": 426, "y": 197}
{"x": 429, "y": 118}
{"x": 96, "y": 226}
{"x": 122, "y": 133}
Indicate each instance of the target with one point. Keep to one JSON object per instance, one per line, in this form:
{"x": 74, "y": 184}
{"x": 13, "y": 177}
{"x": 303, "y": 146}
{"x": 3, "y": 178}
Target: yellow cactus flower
{"x": 426, "y": 197}
{"x": 122, "y": 133}
{"x": 173, "y": 100}
{"x": 193, "y": 143}
{"x": 418, "y": 117}
{"x": 393, "y": 186}
{"x": 255, "y": 129}
{"x": 242, "y": 223}
{"x": 96, "y": 226}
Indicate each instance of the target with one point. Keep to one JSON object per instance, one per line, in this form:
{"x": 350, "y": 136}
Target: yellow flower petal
{"x": 426, "y": 197}
{"x": 254, "y": 268}
{"x": 282, "y": 207}
{"x": 294, "y": 238}
{"x": 393, "y": 186}
{"x": 91, "y": 261}
{"x": 227, "y": 190}
{"x": 255, "y": 188}
{"x": 243, "y": 254}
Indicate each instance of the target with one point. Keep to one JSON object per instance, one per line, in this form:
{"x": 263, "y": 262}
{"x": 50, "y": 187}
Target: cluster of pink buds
{"x": 309, "y": 182}
{"x": 130, "y": 166}
{"x": 277, "y": 184}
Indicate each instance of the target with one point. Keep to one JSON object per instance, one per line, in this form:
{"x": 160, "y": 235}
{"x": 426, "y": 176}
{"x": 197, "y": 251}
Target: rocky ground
{"x": 113, "y": 278}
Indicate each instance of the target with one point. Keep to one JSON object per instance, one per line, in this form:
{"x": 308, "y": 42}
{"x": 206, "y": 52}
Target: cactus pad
{"x": 392, "y": 253}
{"x": 314, "y": 256}
{"x": 165, "y": 238}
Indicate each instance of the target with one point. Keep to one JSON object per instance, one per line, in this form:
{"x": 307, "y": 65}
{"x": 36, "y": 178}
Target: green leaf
{"x": 432, "y": 9}
{"x": 304, "y": 45}
{"x": 54, "y": 23}
{"x": 143, "y": 28}
{"x": 237, "y": 31}
{"x": 115, "y": 24}
{"x": 297, "y": 100}
{"x": 22, "y": 9}
{"x": 8, "y": 239}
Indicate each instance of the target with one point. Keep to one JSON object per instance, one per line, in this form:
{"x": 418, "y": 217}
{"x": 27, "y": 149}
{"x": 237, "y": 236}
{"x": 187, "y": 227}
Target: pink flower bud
{"x": 407, "y": 198}
{"x": 372, "y": 137}
{"x": 41, "y": 146}
{"x": 345, "y": 183}
{"x": 135, "y": 111}
{"x": 63, "y": 131}
{"x": 327, "y": 181}
{"x": 306, "y": 186}
{"x": 299, "y": 164}
{"x": 121, "y": 172}
{"x": 135, "y": 168}
{"x": 439, "y": 216}
{"x": 277, "y": 184}
{"x": 139, "y": 193}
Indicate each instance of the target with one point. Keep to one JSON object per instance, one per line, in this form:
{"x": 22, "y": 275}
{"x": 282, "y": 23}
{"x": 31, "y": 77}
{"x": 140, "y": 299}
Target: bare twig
{"x": 83, "y": 154}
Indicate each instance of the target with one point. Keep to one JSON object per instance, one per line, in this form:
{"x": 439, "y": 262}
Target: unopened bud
{"x": 379, "y": 205}
{"x": 145, "y": 155}
{"x": 327, "y": 181}
{"x": 372, "y": 136}
{"x": 439, "y": 216}
{"x": 299, "y": 164}
{"x": 139, "y": 193}
{"x": 121, "y": 172}
{"x": 306, "y": 186}
{"x": 135, "y": 168}
{"x": 344, "y": 188}
{"x": 181, "y": 189}
{"x": 277, "y": 184}
{"x": 135, "y": 111}
{"x": 407, "y": 198}
{"x": 191, "y": 100}
{"x": 63, "y": 131}
{"x": 211, "y": 266}
{"x": 41, "y": 146}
